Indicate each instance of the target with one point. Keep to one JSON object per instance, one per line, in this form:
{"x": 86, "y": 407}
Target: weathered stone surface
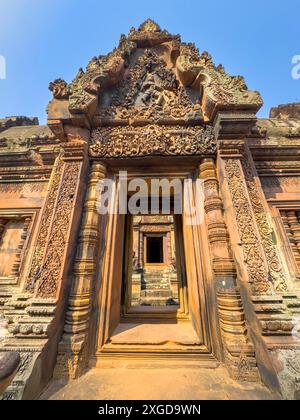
{"x": 284, "y": 112}
{"x": 18, "y": 121}
{"x": 36, "y": 132}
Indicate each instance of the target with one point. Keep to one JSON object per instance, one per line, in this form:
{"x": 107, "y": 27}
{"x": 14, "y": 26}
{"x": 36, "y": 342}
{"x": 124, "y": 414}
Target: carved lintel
{"x": 125, "y": 142}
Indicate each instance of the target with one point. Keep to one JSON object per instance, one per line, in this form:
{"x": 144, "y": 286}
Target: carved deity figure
{"x": 153, "y": 94}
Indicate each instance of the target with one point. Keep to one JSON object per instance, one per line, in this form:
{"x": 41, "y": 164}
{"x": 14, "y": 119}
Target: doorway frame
{"x": 198, "y": 267}
{"x": 181, "y": 313}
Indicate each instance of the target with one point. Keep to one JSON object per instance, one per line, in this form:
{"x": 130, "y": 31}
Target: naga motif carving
{"x": 122, "y": 142}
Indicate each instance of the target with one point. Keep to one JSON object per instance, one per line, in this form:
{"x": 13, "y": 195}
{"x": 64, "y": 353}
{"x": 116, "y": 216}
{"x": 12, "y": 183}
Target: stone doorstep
{"x": 147, "y": 335}
{"x": 173, "y": 382}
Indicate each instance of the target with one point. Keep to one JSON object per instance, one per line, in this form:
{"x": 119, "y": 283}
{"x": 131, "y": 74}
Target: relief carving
{"x": 25, "y": 188}
{"x": 258, "y": 277}
{"x": 277, "y": 276}
{"x": 289, "y": 375}
{"x": 40, "y": 247}
{"x": 122, "y": 142}
{"x": 52, "y": 265}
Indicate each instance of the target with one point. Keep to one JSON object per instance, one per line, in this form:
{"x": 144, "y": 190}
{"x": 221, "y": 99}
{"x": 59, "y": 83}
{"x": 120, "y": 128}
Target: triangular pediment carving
{"x": 151, "y": 78}
{"x": 148, "y": 92}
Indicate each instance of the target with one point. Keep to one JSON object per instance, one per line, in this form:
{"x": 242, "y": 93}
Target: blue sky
{"x": 42, "y": 40}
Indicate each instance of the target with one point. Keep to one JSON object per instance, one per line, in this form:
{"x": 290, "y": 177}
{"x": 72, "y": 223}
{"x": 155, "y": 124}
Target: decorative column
{"x": 73, "y": 347}
{"x": 238, "y": 350}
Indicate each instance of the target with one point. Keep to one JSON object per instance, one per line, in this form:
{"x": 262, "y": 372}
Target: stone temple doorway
{"x": 154, "y": 272}
{"x": 155, "y": 303}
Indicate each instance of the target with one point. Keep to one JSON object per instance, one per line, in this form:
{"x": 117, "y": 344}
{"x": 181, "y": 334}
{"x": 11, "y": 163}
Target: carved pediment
{"x": 149, "y": 92}
{"x": 152, "y": 77}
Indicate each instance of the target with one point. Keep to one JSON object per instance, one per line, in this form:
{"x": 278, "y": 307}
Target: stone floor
{"x": 156, "y": 384}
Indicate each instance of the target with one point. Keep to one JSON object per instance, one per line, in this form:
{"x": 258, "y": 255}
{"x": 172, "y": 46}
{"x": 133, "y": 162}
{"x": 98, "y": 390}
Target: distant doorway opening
{"x": 155, "y": 251}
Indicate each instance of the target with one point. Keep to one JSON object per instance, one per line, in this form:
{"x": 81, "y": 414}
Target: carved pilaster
{"x": 45, "y": 224}
{"x": 223, "y": 264}
{"x": 49, "y": 279}
{"x": 36, "y": 317}
{"x": 277, "y": 276}
{"x": 238, "y": 350}
{"x": 72, "y": 349}
{"x": 248, "y": 233}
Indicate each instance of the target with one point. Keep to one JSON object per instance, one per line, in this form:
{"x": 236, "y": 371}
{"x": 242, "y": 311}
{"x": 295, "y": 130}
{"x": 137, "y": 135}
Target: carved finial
{"x": 149, "y": 26}
{"x": 60, "y": 89}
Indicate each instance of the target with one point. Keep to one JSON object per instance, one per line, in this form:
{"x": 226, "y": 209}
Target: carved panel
{"x": 124, "y": 142}
{"x": 45, "y": 224}
{"x": 258, "y": 276}
{"x": 277, "y": 276}
{"x": 52, "y": 265}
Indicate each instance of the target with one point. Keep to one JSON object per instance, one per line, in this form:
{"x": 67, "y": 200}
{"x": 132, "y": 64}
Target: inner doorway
{"x": 155, "y": 252}
{"x": 154, "y": 278}
{"x": 154, "y": 303}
